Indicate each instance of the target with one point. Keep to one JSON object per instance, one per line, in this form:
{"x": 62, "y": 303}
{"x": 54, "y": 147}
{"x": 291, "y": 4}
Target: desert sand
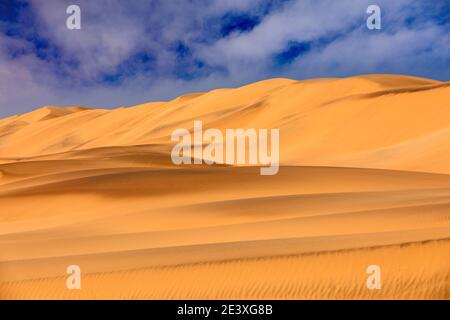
{"x": 364, "y": 180}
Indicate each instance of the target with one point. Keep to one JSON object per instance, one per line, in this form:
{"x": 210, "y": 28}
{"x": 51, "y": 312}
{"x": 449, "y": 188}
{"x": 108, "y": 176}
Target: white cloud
{"x": 112, "y": 32}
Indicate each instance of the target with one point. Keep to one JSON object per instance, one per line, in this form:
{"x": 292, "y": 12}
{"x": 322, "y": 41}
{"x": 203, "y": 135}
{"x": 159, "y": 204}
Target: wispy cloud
{"x": 131, "y": 52}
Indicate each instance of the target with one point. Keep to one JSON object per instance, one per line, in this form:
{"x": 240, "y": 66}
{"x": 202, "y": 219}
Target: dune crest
{"x": 364, "y": 179}
{"x": 332, "y": 122}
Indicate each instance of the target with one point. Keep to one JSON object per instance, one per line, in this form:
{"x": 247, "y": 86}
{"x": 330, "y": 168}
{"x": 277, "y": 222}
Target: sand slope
{"x": 365, "y": 179}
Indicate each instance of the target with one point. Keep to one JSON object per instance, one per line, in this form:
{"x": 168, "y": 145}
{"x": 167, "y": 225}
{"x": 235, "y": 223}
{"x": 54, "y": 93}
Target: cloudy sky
{"x": 129, "y": 52}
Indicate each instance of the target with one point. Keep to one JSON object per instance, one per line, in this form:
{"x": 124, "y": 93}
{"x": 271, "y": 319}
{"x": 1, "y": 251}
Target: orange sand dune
{"x": 364, "y": 180}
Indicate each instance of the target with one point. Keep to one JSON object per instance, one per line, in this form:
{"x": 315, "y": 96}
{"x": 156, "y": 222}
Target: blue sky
{"x": 130, "y": 52}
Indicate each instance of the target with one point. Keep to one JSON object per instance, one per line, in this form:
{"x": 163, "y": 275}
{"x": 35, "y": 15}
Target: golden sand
{"x": 364, "y": 180}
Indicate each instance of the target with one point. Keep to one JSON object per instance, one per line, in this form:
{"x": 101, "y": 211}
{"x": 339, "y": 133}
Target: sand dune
{"x": 364, "y": 179}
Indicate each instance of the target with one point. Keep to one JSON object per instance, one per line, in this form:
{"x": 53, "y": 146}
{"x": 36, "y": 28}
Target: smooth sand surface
{"x": 364, "y": 180}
